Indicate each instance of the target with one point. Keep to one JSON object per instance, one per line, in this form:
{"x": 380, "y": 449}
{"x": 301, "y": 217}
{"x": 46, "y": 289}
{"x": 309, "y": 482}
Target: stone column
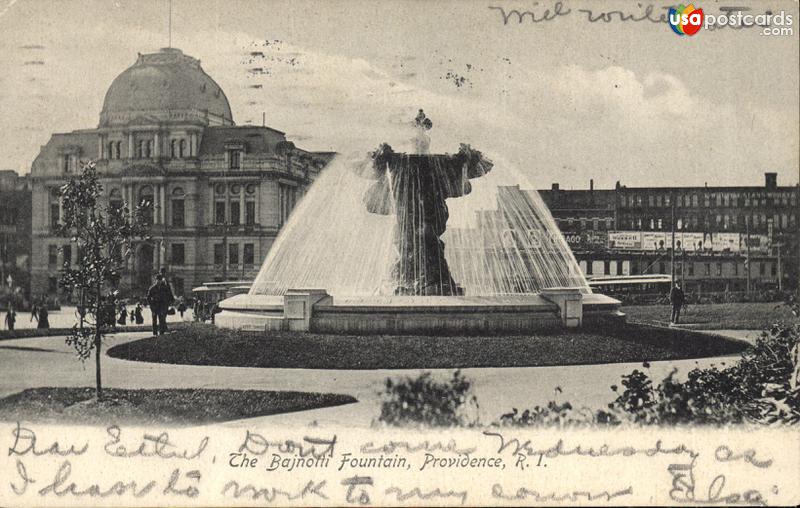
{"x": 242, "y": 210}
{"x": 156, "y": 145}
{"x": 100, "y": 145}
{"x": 193, "y": 144}
{"x": 130, "y": 145}
{"x": 258, "y": 203}
{"x": 163, "y": 206}
{"x": 212, "y": 199}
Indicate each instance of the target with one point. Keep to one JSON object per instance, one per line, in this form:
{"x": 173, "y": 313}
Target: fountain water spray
{"x": 418, "y": 224}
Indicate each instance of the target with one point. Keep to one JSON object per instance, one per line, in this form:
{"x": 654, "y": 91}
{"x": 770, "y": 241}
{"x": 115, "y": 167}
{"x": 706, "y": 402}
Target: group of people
{"x": 135, "y": 316}
{"x": 205, "y": 311}
{"x": 160, "y": 299}
{"x": 39, "y": 314}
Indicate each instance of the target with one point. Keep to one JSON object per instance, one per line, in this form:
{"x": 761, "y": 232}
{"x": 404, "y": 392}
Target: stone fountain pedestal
{"x": 313, "y": 310}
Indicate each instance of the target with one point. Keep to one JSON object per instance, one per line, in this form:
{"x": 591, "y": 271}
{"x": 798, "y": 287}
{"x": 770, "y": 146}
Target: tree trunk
{"x": 98, "y": 381}
{"x": 98, "y": 340}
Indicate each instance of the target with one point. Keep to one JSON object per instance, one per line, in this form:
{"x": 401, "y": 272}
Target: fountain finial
{"x": 422, "y": 121}
{"x": 422, "y": 141}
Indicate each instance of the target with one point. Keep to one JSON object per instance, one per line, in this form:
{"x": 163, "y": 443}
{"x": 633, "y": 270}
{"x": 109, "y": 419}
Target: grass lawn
{"x": 716, "y": 316}
{"x": 207, "y": 345}
{"x": 165, "y": 407}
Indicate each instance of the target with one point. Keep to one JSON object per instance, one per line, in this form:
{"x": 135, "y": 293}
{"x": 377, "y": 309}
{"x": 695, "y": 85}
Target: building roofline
{"x": 253, "y": 127}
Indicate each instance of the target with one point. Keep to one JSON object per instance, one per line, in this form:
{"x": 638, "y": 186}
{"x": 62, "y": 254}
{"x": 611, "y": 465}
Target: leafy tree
{"x": 104, "y": 235}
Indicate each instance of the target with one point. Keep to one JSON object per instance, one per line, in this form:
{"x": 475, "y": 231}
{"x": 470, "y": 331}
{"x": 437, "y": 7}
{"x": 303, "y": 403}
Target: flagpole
{"x": 170, "y": 24}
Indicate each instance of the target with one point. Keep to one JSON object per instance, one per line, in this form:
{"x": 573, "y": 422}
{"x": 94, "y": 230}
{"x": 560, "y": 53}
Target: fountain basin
{"x": 425, "y": 315}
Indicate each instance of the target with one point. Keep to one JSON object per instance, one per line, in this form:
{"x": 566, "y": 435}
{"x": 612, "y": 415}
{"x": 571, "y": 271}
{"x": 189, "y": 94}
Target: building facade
{"x": 15, "y": 238}
{"x": 727, "y": 239}
{"x": 217, "y": 193}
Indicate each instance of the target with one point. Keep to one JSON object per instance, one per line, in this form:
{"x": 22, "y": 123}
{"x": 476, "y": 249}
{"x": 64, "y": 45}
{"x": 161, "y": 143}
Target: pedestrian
{"x": 11, "y": 318}
{"x": 196, "y": 310}
{"x": 676, "y": 298}
{"x": 181, "y": 308}
{"x": 34, "y": 312}
{"x": 137, "y": 314}
{"x": 43, "y": 320}
{"x": 160, "y": 297}
{"x": 123, "y": 315}
{"x": 109, "y": 312}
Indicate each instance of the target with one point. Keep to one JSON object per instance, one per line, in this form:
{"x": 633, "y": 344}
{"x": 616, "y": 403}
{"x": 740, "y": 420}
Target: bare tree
{"x": 104, "y": 234}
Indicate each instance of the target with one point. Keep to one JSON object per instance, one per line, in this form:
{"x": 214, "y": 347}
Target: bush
{"x": 422, "y": 401}
{"x": 556, "y": 414}
{"x": 761, "y": 388}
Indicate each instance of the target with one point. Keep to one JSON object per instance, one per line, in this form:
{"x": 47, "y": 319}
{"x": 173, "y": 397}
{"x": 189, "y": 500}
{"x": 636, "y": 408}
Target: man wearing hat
{"x": 160, "y": 297}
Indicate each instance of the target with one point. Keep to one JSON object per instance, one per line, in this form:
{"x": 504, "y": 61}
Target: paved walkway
{"x": 67, "y": 316}
{"x": 47, "y": 361}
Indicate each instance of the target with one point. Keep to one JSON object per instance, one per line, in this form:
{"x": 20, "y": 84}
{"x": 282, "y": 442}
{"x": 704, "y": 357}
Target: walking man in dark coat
{"x": 676, "y": 298}
{"x": 160, "y": 297}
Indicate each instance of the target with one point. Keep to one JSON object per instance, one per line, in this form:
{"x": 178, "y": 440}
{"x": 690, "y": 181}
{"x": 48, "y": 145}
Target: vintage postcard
{"x": 399, "y": 253}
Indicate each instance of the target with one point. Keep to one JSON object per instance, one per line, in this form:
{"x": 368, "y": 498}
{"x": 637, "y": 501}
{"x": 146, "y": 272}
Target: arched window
{"x": 182, "y": 149}
{"x": 110, "y": 153}
{"x": 117, "y": 149}
{"x": 146, "y": 199}
{"x": 173, "y": 148}
{"x": 115, "y": 199}
{"x": 149, "y": 146}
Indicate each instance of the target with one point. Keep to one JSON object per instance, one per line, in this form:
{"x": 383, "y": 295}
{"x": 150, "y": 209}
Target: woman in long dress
{"x": 44, "y": 321}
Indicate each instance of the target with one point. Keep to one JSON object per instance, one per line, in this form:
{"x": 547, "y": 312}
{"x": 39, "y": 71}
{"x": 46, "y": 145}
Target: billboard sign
{"x": 625, "y": 240}
{"x": 654, "y": 240}
{"x": 759, "y": 244}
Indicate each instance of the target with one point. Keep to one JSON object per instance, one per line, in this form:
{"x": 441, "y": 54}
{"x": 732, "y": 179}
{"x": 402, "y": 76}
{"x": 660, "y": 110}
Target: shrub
{"x": 422, "y": 401}
{"x": 557, "y": 414}
{"x": 760, "y": 388}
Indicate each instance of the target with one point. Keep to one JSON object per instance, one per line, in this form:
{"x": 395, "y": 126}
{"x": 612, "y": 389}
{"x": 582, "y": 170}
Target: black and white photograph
{"x": 399, "y": 253}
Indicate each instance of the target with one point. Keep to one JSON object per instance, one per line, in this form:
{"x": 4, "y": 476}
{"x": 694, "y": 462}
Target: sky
{"x": 564, "y": 100}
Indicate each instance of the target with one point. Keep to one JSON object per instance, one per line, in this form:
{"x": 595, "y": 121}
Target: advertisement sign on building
{"x": 587, "y": 240}
{"x": 654, "y": 240}
{"x": 725, "y": 242}
{"x": 758, "y": 244}
{"x": 689, "y": 242}
{"x": 625, "y": 240}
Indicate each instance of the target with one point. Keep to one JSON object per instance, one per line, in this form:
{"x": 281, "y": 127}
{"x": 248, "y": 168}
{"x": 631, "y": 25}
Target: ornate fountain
{"x": 414, "y": 188}
{"x": 364, "y": 253}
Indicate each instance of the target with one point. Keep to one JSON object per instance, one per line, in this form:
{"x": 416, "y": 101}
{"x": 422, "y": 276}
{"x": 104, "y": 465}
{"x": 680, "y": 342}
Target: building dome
{"x": 165, "y": 83}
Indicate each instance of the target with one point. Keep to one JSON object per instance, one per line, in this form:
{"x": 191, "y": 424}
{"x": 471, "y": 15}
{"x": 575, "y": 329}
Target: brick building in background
{"x": 219, "y": 193}
{"x": 726, "y": 238}
{"x": 15, "y": 238}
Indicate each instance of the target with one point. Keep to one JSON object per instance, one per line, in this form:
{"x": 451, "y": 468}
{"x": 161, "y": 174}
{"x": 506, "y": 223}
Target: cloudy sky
{"x": 563, "y": 100}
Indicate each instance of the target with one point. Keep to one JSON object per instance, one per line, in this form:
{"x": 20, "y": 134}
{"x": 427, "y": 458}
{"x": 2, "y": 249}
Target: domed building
{"x": 218, "y": 193}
